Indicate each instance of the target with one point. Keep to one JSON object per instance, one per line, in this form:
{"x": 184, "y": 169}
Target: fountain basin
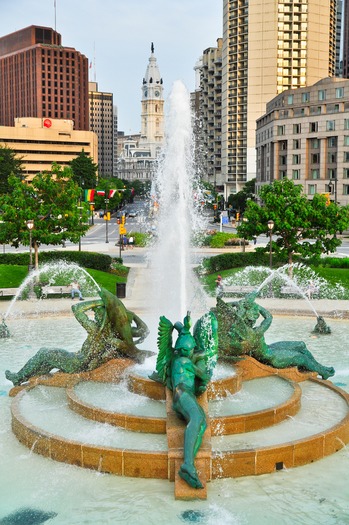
{"x": 103, "y": 447}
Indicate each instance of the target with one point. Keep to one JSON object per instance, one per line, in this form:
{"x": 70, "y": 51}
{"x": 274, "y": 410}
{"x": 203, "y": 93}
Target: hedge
{"x": 226, "y": 261}
{"x": 96, "y": 261}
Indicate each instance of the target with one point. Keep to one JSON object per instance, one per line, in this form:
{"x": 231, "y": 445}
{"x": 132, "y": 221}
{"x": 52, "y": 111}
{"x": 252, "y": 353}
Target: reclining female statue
{"x": 110, "y": 335}
{"x": 239, "y": 335}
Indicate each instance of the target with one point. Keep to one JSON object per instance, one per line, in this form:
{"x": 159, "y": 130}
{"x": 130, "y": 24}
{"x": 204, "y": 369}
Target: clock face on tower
{"x": 157, "y": 93}
{"x": 145, "y": 93}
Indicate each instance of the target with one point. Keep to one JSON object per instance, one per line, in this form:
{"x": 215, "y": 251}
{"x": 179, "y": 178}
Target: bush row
{"x": 96, "y": 261}
{"x": 226, "y": 261}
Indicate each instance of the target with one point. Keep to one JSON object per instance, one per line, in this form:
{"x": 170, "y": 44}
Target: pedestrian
{"x": 131, "y": 242}
{"x": 75, "y": 289}
{"x": 219, "y": 286}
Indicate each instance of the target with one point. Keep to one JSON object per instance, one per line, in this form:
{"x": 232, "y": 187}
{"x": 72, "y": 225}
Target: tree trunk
{"x": 36, "y": 255}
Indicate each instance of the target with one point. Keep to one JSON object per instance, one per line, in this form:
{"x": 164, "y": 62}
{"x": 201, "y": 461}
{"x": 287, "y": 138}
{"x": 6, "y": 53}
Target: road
{"x": 106, "y": 234}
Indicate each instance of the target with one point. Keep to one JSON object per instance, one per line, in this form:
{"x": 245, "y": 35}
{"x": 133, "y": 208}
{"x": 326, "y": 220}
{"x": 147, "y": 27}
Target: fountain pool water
{"x": 313, "y": 493}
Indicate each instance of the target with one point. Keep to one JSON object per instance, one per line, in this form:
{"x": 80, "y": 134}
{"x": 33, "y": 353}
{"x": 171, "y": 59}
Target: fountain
{"x": 262, "y": 421}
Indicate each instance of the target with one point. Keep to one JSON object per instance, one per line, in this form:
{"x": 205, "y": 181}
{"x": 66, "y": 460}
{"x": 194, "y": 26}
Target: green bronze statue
{"x": 240, "y": 335}
{"x": 111, "y": 335}
{"x": 186, "y": 369}
{"x": 321, "y": 327}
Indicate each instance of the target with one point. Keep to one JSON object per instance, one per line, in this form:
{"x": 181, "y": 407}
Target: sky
{"x": 116, "y": 35}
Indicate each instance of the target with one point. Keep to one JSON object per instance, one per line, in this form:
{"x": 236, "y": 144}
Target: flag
{"x": 111, "y": 193}
{"x": 89, "y": 195}
{"x": 101, "y": 193}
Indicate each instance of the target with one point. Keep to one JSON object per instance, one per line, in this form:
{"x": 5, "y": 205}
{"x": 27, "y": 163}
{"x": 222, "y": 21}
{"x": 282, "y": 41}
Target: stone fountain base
{"x": 164, "y": 464}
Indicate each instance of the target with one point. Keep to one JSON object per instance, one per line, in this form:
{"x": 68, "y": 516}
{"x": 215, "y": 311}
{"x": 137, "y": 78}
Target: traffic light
{"x": 118, "y": 221}
{"x": 237, "y": 216}
{"x": 123, "y": 219}
{"x": 215, "y": 206}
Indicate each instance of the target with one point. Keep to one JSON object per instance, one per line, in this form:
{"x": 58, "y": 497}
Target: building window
{"x": 339, "y": 92}
{"x": 330, "y": 125}
{"x": 346, "y": 156}
{"x": 296, "y": 144}
{"x": 296, "y": 175}
{"x": 346, "y": 140}
{"x": 315, "y": 143}
{"x": 332, "y": 142}
{"x": 345, "y": 173}
{"x": 345, "y": 189}
{"x": 281, "y": 130}
{"x": 306, "y": 96}
{"x": 331, "y": 173}
{"x": 315, "y": 158}
{"x": 321, "y": 95}
{"x": 296, "y": 159}
{"x": 314, "y": 174}
{"x": 332, "y": 157}
{"x": 311, "y": 189}
{"x": 289, "y": 99}
{"x": 346, "y": 123}
{"x": 297, "y": 128}
{"x": 313, "y": 127}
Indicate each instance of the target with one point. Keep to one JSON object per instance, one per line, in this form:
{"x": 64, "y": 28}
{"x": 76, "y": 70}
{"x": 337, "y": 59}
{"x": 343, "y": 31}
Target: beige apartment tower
{"x": 268, "y": 46}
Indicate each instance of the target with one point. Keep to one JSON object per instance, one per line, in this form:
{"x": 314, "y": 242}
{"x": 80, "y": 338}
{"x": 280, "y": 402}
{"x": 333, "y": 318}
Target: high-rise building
{"x": 102, "y": 123}
{"x": 210, "y": 116}
{"x": 41, "y": 78}
{"x": 345, "y": 33}
{"x": 304, "y": 136}
{"x": 268, "y": 46}
{"x": 41, "y": 142}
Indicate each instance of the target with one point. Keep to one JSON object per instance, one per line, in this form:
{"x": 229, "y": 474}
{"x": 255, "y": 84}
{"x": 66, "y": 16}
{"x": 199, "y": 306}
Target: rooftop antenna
{"x": 54, "y": 5}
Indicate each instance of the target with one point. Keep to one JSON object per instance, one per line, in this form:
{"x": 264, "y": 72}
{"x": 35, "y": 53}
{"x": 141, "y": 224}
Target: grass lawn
{"x": 12, "y": 276}
{"x": 332, "y": 275}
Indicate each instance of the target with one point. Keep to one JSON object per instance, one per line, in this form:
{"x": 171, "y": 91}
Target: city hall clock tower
{"x": 152, "y": 130}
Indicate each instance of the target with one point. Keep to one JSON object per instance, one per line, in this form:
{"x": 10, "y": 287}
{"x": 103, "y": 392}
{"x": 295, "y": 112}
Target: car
{"x": 133, "y": 213}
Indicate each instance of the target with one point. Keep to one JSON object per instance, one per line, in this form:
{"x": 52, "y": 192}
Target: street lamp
{"x": 30, "y": 226}
{"x": 270, "y": 228}
{"x": 333, "y": 186}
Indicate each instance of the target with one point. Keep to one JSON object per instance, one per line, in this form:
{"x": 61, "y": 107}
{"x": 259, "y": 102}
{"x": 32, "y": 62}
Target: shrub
{"x": 97, "y": 261}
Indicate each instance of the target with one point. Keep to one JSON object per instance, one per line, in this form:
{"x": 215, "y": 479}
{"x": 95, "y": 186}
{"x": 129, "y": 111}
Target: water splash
{"x": 50, "y": 273}
{"x": 174, "y": 189}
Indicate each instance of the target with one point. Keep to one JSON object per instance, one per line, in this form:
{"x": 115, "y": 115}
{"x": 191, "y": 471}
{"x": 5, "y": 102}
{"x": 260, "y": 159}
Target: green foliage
{"x": 296, "y": 221}
{"x": 51, "y": 202}
{"x": 9, "y": 164}
{"x": 229, "y": 260}
{"x": 119, "y": 269}
{"x": 84, "y": 171}
{"x": 119, "y": 197}
{"x": 219, "y": 240}
{"x": 239, "y": 200}
{"x": 140, "y": 239}
{"x": 97, "y": 261}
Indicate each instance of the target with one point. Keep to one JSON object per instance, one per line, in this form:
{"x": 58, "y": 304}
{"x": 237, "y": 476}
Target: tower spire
{"x": 152, "y": 47}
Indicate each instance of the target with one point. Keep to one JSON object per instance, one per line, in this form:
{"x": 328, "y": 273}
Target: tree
{"x": 307, "y": 227}
{"x": 239, "y": 200}
{"x": 84, "y": 171}
{"x": 51, "y": 201}
{"x": 118, "y": 198}
{"x": 9, "y": 163}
